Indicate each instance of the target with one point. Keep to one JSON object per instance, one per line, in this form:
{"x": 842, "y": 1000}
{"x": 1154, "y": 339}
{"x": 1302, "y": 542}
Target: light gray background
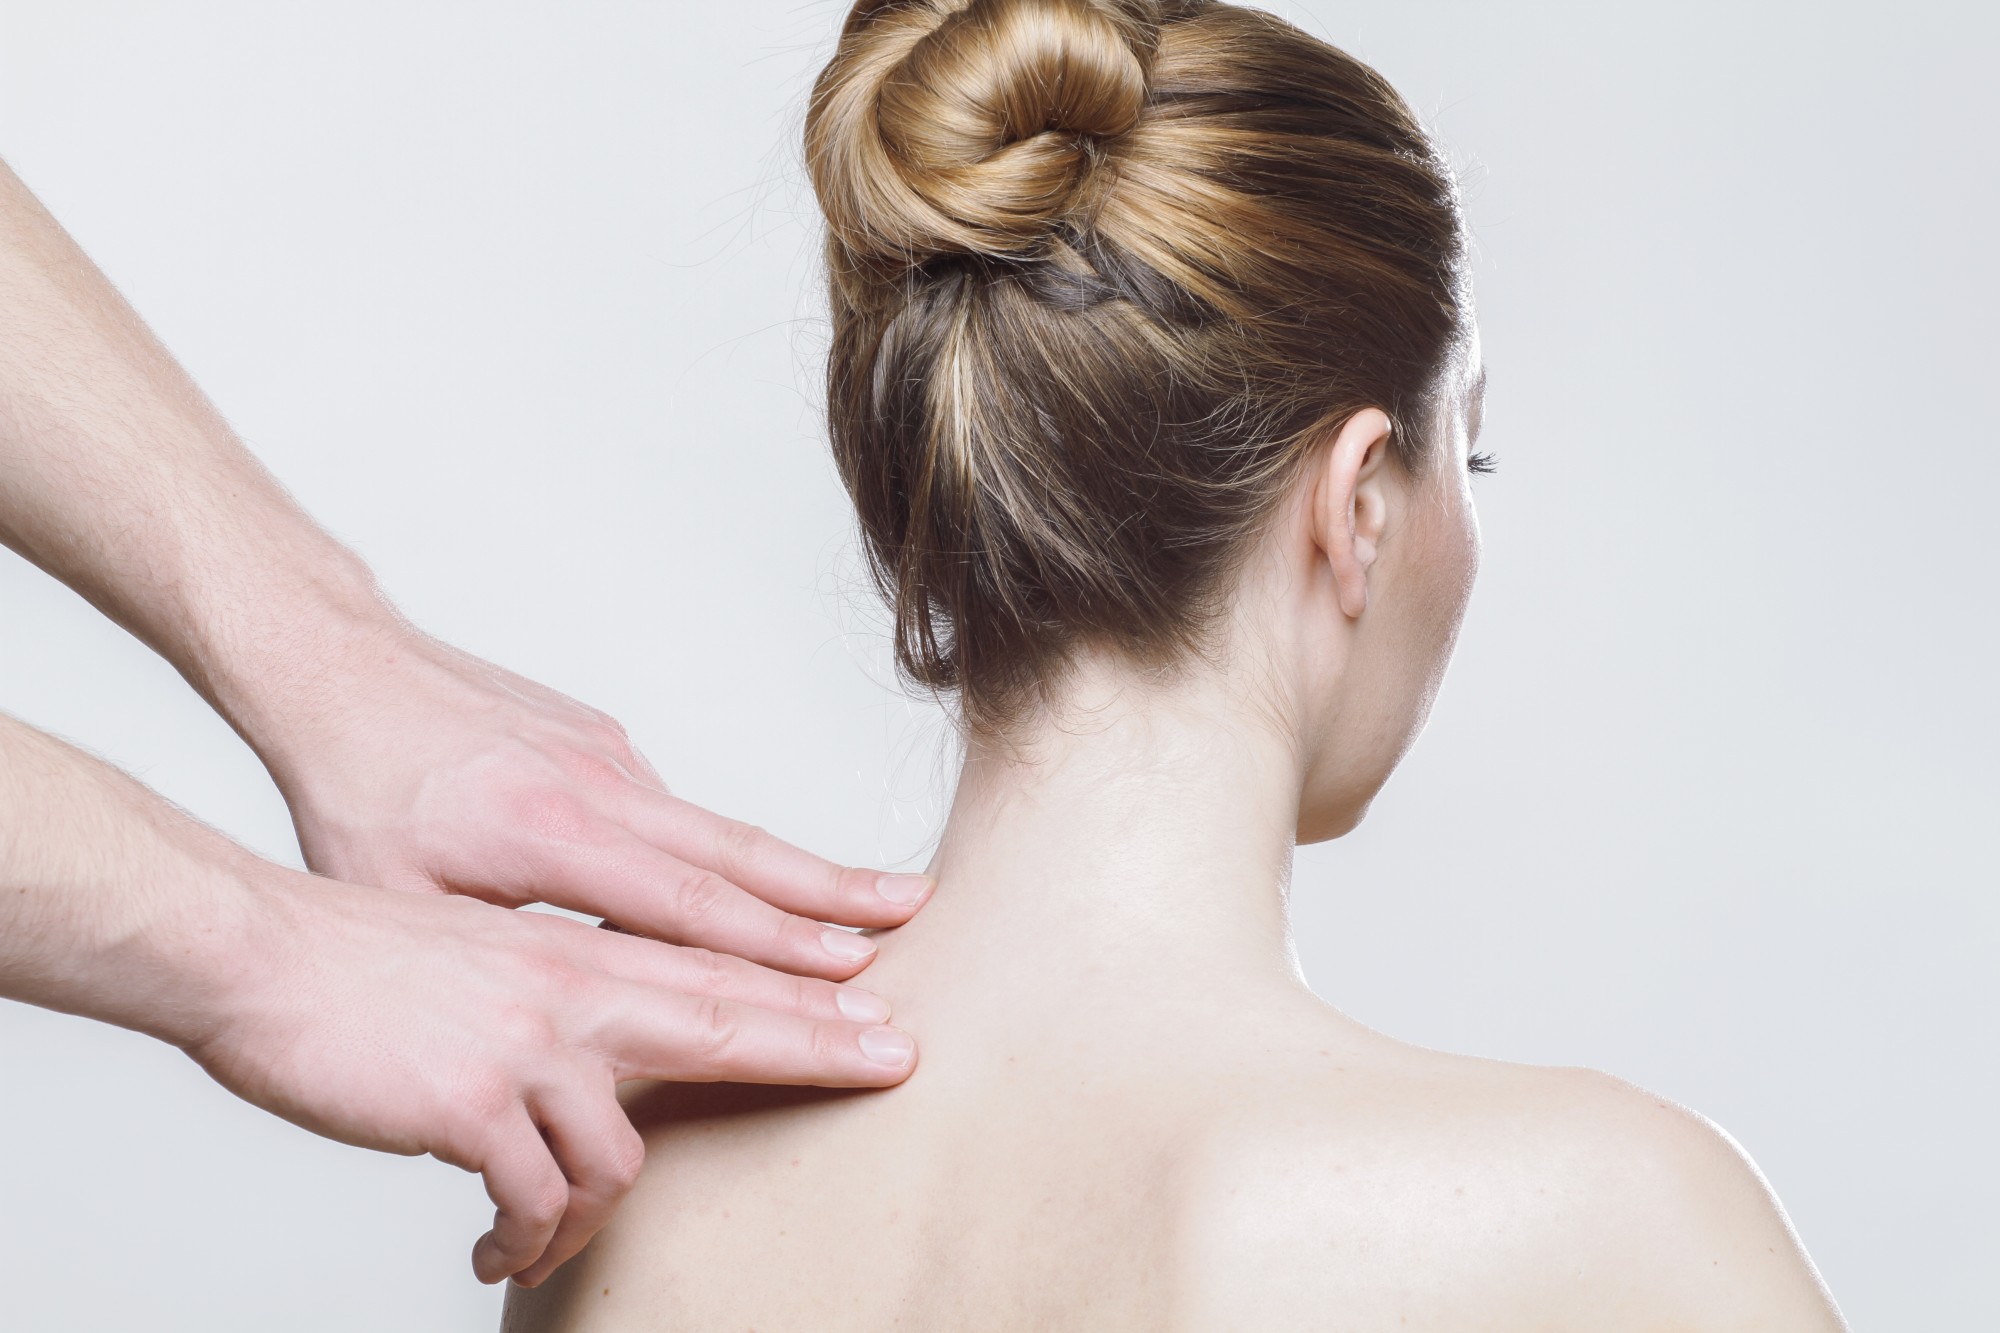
{"x": 517, "y": 297}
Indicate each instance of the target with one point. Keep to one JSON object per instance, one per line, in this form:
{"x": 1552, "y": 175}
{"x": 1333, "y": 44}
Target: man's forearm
{"x": 113, "y": 904}
{"x": 118, "y": 477}
{"x": 408, "y": 1022}
{"x": 404, "y": 762}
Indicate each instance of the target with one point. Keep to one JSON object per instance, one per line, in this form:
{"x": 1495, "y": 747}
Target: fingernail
{"x": 903, "y": 890}
{"x": 888, "y": 1046}
{"x": 845, "y": 945}
{"x": 860, "y": 1005}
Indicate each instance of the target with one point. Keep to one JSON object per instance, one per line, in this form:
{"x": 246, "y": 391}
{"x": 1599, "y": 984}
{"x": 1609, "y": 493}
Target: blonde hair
{"x": 1102, "y": 272}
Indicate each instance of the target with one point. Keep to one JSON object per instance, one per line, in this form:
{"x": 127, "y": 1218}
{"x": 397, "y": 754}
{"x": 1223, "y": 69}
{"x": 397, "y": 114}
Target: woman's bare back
{"x": 1320, "y": 1176}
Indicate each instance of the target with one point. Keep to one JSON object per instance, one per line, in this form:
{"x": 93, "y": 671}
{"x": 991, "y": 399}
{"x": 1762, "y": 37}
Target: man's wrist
{"x": 273, "y": 659}
{"x": 113, "y": 904}
{"x": 189, "y": 963}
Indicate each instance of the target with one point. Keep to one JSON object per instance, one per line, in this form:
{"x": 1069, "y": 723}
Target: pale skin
{"x": 1146, "y": 1121}
{"x": 390, "y": 1000}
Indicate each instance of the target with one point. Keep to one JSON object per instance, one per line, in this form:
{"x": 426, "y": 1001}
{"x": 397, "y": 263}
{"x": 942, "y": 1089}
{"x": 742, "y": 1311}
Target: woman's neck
{"x": 1138, "y": 852}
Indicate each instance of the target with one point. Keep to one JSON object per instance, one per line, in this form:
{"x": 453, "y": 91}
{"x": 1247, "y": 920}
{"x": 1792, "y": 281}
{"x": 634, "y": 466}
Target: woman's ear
{"x": 1351, "y": 504}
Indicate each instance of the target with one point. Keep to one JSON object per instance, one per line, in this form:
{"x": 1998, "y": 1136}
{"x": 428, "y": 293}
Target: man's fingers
{"x": 775, "y": 871}
{"x": 694, "y": 1039}
{"x": 696, "y": 971}
{"x": 645, "y": 890}
{"x": 600, "y": 1154}
{"x": 529, "y": 1194}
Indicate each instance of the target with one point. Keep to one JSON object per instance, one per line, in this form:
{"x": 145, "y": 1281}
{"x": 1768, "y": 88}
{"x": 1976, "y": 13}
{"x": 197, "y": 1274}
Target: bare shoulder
{"x": 1681, "y": 1228}
{"x": 1424, "y": 1188}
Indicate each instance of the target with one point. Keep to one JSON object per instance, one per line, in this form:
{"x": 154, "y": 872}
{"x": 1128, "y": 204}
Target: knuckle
{"x": 524, "y": 1027}
{"x": 716, "y": 1029}
{"x": 601, "y": 731}
{"x": 740, "y": 841}
{"x": 545, "y": 1205}
{"x": 627, "y": 1159}
{"x": 563, "y": 983}
{"x": 851, "y": 882}
{"x": 704, "y": 897}
{"x": 796, "y": 934}
{"x": 828, "y": 1047}
{"x": 487, "y": 1097}
{"x": 604, "y": 724}
{"x": 593, "y": 767}
{"x": 708, "y": 971}
{"x": 552, "y": 814}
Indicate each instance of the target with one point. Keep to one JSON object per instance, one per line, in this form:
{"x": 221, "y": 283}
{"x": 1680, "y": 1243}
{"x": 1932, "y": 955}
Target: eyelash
{"x": 1483, "y": 462}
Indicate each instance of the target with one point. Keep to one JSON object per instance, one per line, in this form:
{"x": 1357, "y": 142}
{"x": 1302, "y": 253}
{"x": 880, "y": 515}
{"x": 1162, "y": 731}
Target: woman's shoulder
{"x": 1448, "y": 1186}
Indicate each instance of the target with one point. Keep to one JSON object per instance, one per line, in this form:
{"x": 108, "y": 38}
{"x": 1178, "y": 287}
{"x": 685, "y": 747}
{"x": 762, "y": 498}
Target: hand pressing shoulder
{"x": 1422, "y": 1191}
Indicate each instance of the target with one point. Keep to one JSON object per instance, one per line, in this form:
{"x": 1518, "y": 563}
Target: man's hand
{"x": 495, "y": 1041}
{"x": 409, "y": 764}
{"x": 405, "y": 762}
{"x": 412, "y": 1023}
{"x": 417, "y": 1022}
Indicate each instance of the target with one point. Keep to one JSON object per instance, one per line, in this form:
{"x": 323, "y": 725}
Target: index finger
{"x": 774, "y": 870}
{"x": 704, "y": 1039}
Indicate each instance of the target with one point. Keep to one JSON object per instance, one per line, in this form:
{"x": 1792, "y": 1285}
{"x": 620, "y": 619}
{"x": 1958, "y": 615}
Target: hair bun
{"x": 953, "y": 126}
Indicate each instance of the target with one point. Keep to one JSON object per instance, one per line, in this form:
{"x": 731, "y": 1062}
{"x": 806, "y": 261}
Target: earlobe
{"x": 1352, "y": 507}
